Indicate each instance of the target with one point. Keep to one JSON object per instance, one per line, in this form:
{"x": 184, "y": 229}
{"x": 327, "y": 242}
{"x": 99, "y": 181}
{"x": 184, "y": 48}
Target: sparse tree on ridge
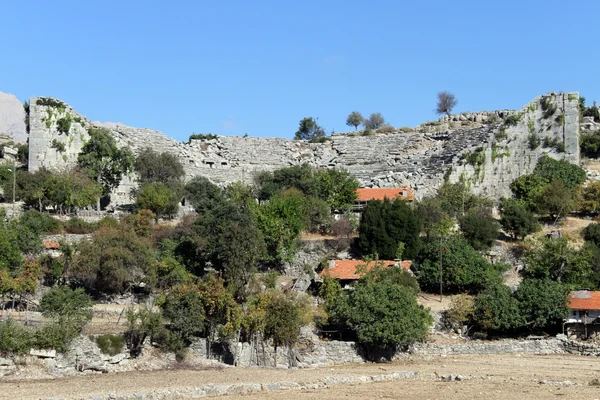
{"x": 354, "y": 119}
{"x": 309, "y": 129}
{"x": 446, "y": 101}
{"x": 374, "y": 121}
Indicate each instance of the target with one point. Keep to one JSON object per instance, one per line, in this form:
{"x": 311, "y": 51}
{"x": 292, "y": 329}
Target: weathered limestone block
{"x": 12, "y": 118}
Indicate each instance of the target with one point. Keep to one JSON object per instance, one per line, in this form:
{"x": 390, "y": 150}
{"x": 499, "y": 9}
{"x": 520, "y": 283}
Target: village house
{"x": 584, "y": 318}
{"x": 349, "y": 271}
{"x": 364, "y": 195}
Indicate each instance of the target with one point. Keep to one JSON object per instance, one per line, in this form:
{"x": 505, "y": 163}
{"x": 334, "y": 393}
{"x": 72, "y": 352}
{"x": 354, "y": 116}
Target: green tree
{"x": 556, "y": 200}
{"x": 104, "y": 160}
{"x": 589, "y": 201}
{"x": 542, "y": 303}
{"x": 67, "y": 306}
{"x": 496, "y": 309}
{"x": 374, "y": 121}
{"x": 557, "y": 261}
{"x": 516, "y": 219}
{"x": 354, "y": 119}
{"x": 385, "y": 224}
{"x": 456, "y": 199}
{"x": 386, "y": 316}
{"x": 309, "y": 129}
{"x": 464, "y": 269}
{"x": 436, "y": 221}
{"x": 158, "y": 198}
{"x": 480, "y": 228}
{"x": 591, "y": 233}
{"x": 560, "y": 170}
{"x": 528, "y": 189}
{"x": 154, "y": 167}
{"x": 337, "y": 187}
{"x": 115, "y": 260}
{"x": 446, "y": 102}
{"x": 203, "y": 194}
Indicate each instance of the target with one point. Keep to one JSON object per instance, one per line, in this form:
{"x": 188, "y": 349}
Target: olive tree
{"x": 446, "y": 101}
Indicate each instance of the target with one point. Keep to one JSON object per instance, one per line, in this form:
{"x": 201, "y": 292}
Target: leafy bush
{"x": 386, "y": 129}
{"x": 202, "y": 136}
{"x": 55, "y": 336}
{"x": 534, "y": 141}
{"x": 320, "y": 139}
{"x": 479, "y": 228}
{"x": 516, "y": 219}
{"x": 67, "y": 307}
{"x": 590, "y": 144}
{"x": 58, "y": 146}
{"x": 547, "y": 107}
{"x": 496, "y": 309}
{"x": 63, "y": 125}
{"x": 141, "y": 324}
{"x": 341, "y": 227}
{"x": 14, "y": 337}
{"x": 77, "y": 225}
{"x": 501, "y": 134}
{"x": 110, "y": 344}
{"x": 464, "y": 269}
{"x": 512, "y": 120}
{"x": 50, "y": 102}
{"x": 591, "y": 233}
{"x": 40, "y": 223}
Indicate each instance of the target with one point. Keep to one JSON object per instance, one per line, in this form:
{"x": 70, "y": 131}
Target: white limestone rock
{"x": 12, "y": 118}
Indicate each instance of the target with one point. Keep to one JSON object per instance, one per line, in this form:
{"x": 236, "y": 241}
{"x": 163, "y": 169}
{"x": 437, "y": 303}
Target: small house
{"x": 364, "y": 195}
{"x": 584, "y": 316}
{"x": 349, "y": 271}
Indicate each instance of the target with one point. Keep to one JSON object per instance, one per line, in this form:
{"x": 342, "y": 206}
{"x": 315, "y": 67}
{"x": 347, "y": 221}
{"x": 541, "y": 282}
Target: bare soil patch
{"x": 489, "y": 377}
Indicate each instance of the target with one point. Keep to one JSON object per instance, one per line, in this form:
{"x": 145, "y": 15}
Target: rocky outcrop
{"x": 12, "y": 118}
{"x": 488, "y": 150}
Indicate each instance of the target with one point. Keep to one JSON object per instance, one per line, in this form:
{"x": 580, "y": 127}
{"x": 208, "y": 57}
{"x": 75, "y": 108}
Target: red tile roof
{"x": 366, "y": 194}
{"x": 51, "y": 245}
{"x": 346, "y": 269}
{"x": 584, "y": 300}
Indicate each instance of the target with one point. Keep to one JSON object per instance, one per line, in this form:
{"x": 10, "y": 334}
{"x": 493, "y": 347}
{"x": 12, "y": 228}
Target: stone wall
{"x": 417, "y": 159}
{"x": 547, "y": 346}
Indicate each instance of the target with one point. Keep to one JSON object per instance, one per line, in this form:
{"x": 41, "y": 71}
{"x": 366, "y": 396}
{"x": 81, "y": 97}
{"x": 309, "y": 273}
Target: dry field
{"x": 485, "y": 377}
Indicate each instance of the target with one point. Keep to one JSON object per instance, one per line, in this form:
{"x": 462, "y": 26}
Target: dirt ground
{"x": 486, "y": 377}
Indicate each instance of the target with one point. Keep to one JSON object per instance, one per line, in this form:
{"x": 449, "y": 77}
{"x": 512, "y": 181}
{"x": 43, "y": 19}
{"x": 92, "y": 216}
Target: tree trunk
{"x": 98, "y": 200}
{"x": 275, "y": 356}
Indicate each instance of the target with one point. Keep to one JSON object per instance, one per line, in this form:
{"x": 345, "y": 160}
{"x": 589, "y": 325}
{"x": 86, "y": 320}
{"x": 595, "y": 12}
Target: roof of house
{"x": 367, "y": 194}
{"x": 346, "y": 269}
{"x": 584, "y": 300}
{"x": 51, "y": 245}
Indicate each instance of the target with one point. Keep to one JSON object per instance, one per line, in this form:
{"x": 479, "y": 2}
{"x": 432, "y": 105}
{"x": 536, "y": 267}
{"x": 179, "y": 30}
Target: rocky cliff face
{"x": 487, "y": 150}
{"x": 12, "y": 118}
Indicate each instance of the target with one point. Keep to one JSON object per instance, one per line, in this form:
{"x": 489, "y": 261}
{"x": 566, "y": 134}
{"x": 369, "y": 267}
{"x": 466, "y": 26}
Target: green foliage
{"x": 23, "y": 153}
{"x": 589, "y": 197}
{"x": 110, "y": 344}
{"x": 556, "y": 200}
{"x": 435, "y": 219}
{"x": 499, "y": 152}
{"x": 158, "y": 198}
{"x": 531, "y": 126}
{"x": 446, "y": 102}
{"x": 67, "y": 306}
{"x": 479, "y": 228}
{"x": 309, "y": 129}
{"x": 554, "y": 143}
{"x": 591, "y": 233}
{"x": 336, "y": 187}
{"x": 203, "y": 194}
{"x": 590, "y": 144}
{"x": 464, "y": 269}
{"x": 513, "y": 120}
{"x": 528, "y": 189}
{"x": 141, "y": 323}
{"x": 104, "y": 160}
{"x": 27, "y": 108}
{"x": 54, "y": 336}
{"x": 385, "y": 316}
{"x": 542, "y": 302}
{"x": 10, "y": 253}
{"x": 202, "y": 136}
{"x": 496, "y": 309}
{"x": 114, "y": 260}
{"x": 374, "y": 121}
{"x": 385, "y": 224}
{"x": 50, "y": 102}
{"x": 557, "y": 261}
{"x": 461, "y": 311}
{"x": 58, "y": 146}
{"x": 63, "y": 124}
{"x": 14, "y": 338}
{"x": 475, "y": 158}
{"x": 40, "y": 223}
{"x": 320, "y": 139}
{"x": 501, "y": 134}
{"x": 456, "y": 199}
{"x": 386, "y": 129}
{"x": 153, "y": 167}
{"x": 547, "y": 107}
{"x": 516, "y": 219}
{"x": 560, "y": 120}
{"x": 534, "y": 141}
{"x": 79, "y": 226}
{"x": 532, "y": 107}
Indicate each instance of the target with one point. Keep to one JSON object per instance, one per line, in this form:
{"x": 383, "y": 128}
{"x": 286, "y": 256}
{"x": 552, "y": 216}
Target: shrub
{"x": 533, "y": 141}
{"x": 386, "y": 129}
{"x": 141, "y": 324}
{"x": 77, "y": 225}
{"x": 110, "y": 344}
{"x": 58, "y": 146}
{"x": 547, "y": 107}
{"x": 320, "y": 139}
{"x": 512, "y": 120}
{"x": 341, "y": 227}
{"x": 67, "y": 307}
{"x": 590, "y": 144}
{"x": 202, "y": 136}
{"x": 63, "y": 125}
{"x": 591, "y": 233}
{"x": 501, "y": 134}
{"x": 14, "y": 337}
{"x": 40, "y": 223}
{"x": 55, "y": 336}
{"x": 516, "y": 219}
{"x": 460, "y": 312}
{"x": 497, "y": 310}
{"x": 50, "y": 102}
{"x": 479, "y": 228}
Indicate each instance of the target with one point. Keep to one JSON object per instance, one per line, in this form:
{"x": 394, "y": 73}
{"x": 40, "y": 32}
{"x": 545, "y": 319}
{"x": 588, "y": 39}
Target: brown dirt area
{"x": 486, "y": 377}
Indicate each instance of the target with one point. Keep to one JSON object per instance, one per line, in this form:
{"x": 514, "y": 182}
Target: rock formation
{"x": 12, "y": 118}
{"x": 487, "y": 150}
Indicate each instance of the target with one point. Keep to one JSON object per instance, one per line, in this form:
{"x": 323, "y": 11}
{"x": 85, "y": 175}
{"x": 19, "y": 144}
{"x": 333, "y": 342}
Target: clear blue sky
{"x": 258, "y": 67}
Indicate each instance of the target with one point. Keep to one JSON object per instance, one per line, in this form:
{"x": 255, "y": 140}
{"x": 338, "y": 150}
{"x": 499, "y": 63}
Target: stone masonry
{"x": 477, "y": 147}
